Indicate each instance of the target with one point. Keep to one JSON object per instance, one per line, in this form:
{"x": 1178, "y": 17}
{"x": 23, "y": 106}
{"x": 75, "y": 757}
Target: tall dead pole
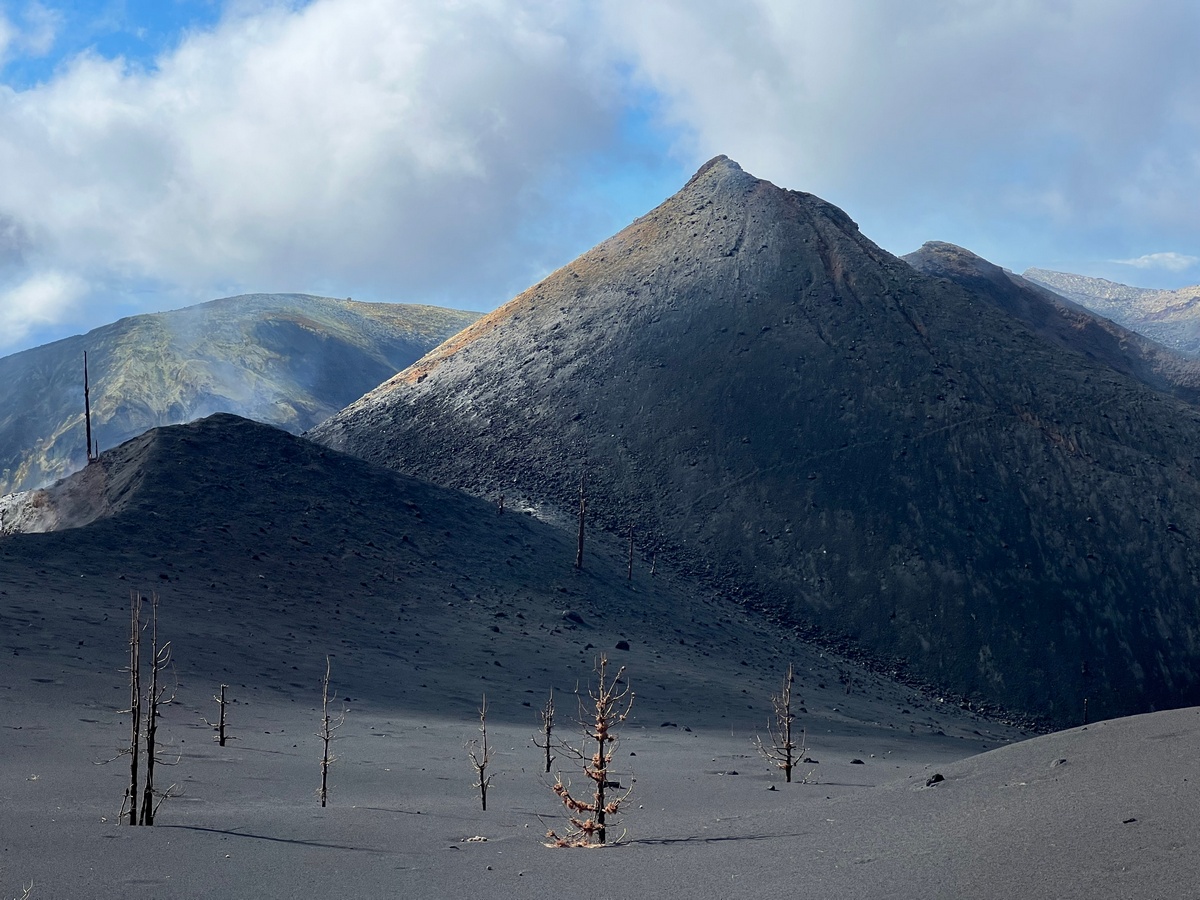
{"x": 582, "y": 516}
{"x": 87, "y": 408}
{"x": 135, "y": 702}
{"x": 630, "y": 575}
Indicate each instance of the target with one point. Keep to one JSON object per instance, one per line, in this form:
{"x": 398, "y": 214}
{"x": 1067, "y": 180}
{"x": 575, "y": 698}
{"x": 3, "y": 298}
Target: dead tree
{"x": 142, "y": 806}
{"x": 481, "y": 756}
{"x": 630, "y": 576}
{"x": 328, "y": 727}
{"x": 781, "y": 749}
{"x": 87, "y": 408}
{"x": 135, "y": 701}
{"x": 160, "y": 658}
{"x": 547, "y": 733}
{"x": 582, "y": 517}
{"x": 219, "y": 725}
{"x": 610, "y": 704}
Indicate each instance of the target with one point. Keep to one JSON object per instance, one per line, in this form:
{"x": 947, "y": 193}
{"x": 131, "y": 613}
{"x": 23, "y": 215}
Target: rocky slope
{"x": 777, "y": 403}
{"x": 287, "y": 359}
{"x": 1061, "y": 321}
{"x": 1170, "y": 317}
{"x": 270, "y": 551}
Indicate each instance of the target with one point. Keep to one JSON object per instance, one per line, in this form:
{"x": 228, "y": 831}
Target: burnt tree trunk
{"x": 160, "y": 658}
{"x": 135, "y": 700}
{"x": 582, "y": 517}
{"x": 547, "y": 715}
{"x": 87, "y": 408}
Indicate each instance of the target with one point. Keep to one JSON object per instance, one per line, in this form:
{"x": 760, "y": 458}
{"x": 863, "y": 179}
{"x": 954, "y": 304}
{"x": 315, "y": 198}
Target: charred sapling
{"x": 219, "y": 726}
{"x": 607, "y": 707}
{"x": 547, "y": 732}
{"x": 480, "y": 753}
{"x": 781, "y": 748}
{"x": 329, "y": 725}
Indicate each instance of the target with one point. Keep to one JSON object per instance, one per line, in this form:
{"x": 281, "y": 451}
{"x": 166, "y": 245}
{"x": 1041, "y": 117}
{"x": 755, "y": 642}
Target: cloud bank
{"x": 1074, "y": 121}
{"x": 400, "y": 150}
{"x": 1171, "y": 261}
{"x": 456, "y": 151}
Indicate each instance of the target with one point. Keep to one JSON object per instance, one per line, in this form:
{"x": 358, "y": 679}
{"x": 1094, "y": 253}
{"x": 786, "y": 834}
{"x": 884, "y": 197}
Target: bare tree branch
{"x": 611, "y": 702}
{"x": 481, "y": 756}
{"x": 547, "y": 716}
{"x": 328, "y": 726}
{"x": 781, "y": 749}
{"x": 219, "y": 726}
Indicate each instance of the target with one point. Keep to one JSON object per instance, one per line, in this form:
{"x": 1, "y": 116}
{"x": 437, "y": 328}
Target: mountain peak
{"x": 719, "y": 165}
{"x": 776, "y": 403}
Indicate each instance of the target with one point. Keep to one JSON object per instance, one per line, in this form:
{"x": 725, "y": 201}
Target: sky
{"x": 159, "y": 153}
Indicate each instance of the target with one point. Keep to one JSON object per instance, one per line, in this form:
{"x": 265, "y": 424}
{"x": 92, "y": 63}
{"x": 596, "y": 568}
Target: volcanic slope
{"x": 287, "y": 359}
{"x": 1170, "y": 317}
{"x": 1062, "y": 321}
{"x": 268, "y": 552}
{"x": 774, "y": 401}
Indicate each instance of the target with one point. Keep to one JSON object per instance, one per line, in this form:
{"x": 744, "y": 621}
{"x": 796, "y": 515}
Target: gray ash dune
{"x": 287, "y": 359}
{"x": 781, "y": 406}
{"x": 268, "y": 552}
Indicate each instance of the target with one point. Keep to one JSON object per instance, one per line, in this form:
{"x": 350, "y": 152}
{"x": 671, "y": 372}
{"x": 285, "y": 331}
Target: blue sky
{"x": 161, "y": 154}
{"x": 136, "y": 30}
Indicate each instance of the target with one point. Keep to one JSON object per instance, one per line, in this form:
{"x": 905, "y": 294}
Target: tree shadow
{"x": 716, "y": 839}
{"x": 390, "y": 809}
{"x": 277, "y": 840}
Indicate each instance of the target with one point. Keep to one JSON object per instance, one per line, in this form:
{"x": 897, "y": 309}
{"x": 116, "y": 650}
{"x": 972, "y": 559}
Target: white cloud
{"x": 41, "y": 29}
{"x": 389, "y": 149}
{"x": 914, "y": 115}
{"x": 1171, "y": 261}
{"x": 8, "y": 34}
{"x": 41, "y": 299}
{"x": 453, "y": 151}
{"x": 32, "y": 34}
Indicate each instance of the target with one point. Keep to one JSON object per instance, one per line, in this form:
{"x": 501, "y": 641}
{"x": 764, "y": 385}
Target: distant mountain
{"x": 286, "y": 359}
{"x": 1170, "y": 317}
{"x": 775, "y": 402}
{"x": 1068, "y": 324}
